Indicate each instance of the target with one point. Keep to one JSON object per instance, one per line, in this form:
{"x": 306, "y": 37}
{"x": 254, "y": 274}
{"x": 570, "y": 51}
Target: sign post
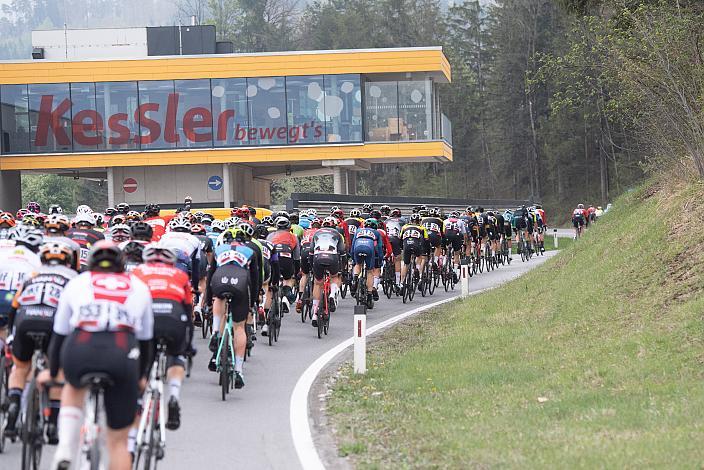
{"x": 464, "y": 276}
{"x": 554, "y": 234}
{"x": 360, "y": 339}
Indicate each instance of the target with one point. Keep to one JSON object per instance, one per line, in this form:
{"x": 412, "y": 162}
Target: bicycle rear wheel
{"x": 32, "y": 429}
{"x": 225, "y": 366}
{"x": 3, "y": 400}
{"x": 148, "y": 452}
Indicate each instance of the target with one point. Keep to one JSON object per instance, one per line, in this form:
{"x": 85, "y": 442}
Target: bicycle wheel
{"x": 147, "y": 451}
{"x": 224, "y": 365}
{"x": 432, "y": 279}
{"x": 32, "y": 428}
{"x": 321, "y": 316}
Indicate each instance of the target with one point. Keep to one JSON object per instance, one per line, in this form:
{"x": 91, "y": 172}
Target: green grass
{"x": 595, "y": 359}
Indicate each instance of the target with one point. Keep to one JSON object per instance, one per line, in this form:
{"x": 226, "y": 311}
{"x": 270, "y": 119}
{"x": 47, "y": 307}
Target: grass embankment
{"x": 593, "y": 360}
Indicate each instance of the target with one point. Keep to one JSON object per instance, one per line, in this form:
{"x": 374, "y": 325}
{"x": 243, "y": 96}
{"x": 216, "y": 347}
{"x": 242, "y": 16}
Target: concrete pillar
{"x": 111, "y": 187}
{"x": 226, "y": 194}
{"x": 352, "y": 182}
{"x": 10, "y": 190}
{"x": 339, "y": 179}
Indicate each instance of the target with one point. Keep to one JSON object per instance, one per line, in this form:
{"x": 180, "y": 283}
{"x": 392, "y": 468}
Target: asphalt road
{"x": 251, "y": 429}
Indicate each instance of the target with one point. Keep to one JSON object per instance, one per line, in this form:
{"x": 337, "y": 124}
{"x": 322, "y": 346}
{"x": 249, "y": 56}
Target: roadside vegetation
{"x": 594, "y": 359}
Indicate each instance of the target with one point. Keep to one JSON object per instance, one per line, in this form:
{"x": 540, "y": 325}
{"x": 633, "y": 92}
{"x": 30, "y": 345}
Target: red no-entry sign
{"x": 129, "y": 185}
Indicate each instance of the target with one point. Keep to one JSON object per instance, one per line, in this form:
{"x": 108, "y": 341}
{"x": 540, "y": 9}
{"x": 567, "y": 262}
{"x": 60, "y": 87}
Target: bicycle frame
{"x": 154, "y": 398}
{"x": 228, "y": 335}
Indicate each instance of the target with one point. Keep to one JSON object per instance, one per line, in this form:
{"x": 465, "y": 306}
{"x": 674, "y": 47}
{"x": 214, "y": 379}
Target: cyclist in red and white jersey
{"x": 579, "y": 219}
{"x": 306, "y": 259}
{"x": 158, "y": 224}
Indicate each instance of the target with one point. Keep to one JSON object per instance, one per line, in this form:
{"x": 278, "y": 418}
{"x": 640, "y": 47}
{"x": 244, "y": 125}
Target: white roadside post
{"x": 464, "y": 277}
{"x": 360, "y": 339}
{"x": 554, "y": 234}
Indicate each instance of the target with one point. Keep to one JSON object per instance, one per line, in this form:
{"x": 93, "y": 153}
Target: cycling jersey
{"x": 353, "y": 223}
{"x": 327, "y": 246}
{"x": 187, "y": 248}
{"x": 234, "y": 272}
{"x": 367, "y": 246}
{"x": 433, "y": 225}
{"x": 16, "y": 264}
{"x": 158, "y": 225}
{"x": 85, "y": 238}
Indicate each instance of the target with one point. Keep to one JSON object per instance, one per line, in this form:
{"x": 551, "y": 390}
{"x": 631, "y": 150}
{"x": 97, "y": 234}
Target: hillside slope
{"x": 594, "y": 359}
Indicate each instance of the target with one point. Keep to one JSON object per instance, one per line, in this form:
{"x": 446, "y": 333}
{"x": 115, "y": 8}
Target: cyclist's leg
{"x": 70, "y": 423}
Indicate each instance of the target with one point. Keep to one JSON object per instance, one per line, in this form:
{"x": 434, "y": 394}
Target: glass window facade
{"x": 226, "y": 112}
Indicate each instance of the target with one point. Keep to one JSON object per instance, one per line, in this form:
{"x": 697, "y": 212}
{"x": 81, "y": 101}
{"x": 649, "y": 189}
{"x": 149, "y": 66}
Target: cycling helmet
{"x": 187, "y": 199}
{"x": 317, "y": 222}
{"x": 118, "y": 219}
{"x": 120, "y": 233}
{"x": 85, "y": 218}
{"x": 141, "y": 231}
{"x": 333, "y": 209}
{"x": 367, "y": 208}
{"x": 424, "y": 213}
{"x": 267, "y": 220}
{"x": 106, "y": 256}
{"x": 180, "y": 224}
{"x": 123, "y": 208}
{"x": 261, "y": 231}
{"x": 355, "y": 213}
{"x": 329, "y": 222}
{"x": 152, "y": 210}
{"x": 6, "y": 218}
{"x": 159, "y": 254}
{"x": 455, "y": 214}
{"x": 239, "y": 212}
{"x": 185, "y": 215}
{"x": 253, "y": 211}
{"x": 231, "y": 222}
{"x": 415, "y": 218}
{"x": 294, "y": 218}
{"x": 27, "y": 236}
{"x": 371, "y": 223}
{"x": 41, "y": 218}
{"x": 580, "y": 206}
{"x": 376, "y": 214}
{"x": 57, "y": 223}
{"x": 110, "y": 211}
{"x": 99, "y": 219}
{"x": 56, "y": 253}
{"x": 312, "y": 212}
{"x": 83, "y": 209}
{"x": 231, "y": 234}
{"x": 197, "y": 229}
{"x": 217, "y": 226}
{"x": 133, "y": 216}
{"x": 246, "y": 228}
{"x": 396, "y": 212}
{"x": 339, "y": 213}
{"x": 34, "y": 207}
{"x": 133, "y": 252}
{"x": 199, "y": 214}
{"x": 55, "y": 209}
{"x": 282, "y": 223}
{"x": 30, "y": 220}
{"x": 207, "y": 219}
{"x": 21, "y": 213}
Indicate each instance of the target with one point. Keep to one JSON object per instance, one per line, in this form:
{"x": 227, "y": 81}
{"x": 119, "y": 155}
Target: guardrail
{"x": 323, "y": 202}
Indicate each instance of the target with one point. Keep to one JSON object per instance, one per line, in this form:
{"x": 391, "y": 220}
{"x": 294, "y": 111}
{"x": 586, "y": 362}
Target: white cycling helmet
{"x": 180, "y": 224}
{"x": 282, "y": 222}
{"x": 85, "y": 218}
{"x": 83, "y": 209}
{"x": 355, "y": 213}
{"x": 217, "y": 226}
{"x": 27, "y": 235}
{"x": 159, "y": 254}
{"x": 231, "y": 222}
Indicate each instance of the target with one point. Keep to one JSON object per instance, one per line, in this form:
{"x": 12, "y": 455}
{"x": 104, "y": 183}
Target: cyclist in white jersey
{"x": 187, "y": 248}
{"x": 105, "y": 318}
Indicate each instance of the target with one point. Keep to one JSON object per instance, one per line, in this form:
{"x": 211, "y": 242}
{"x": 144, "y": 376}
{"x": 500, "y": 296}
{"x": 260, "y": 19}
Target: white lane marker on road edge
{"x": 298, "y": 410}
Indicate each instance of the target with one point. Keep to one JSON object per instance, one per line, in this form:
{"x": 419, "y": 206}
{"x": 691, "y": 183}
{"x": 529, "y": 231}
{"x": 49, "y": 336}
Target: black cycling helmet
{"x": 110, "y": 211}
{"x": 396, "y": 212}
{"x": 261, "y": 231}
{"x": 105, "y": 256}
{"x": 123, "y": 207}
{"x": 376, "y": 213}
{"x": 367, "y": 208}
{"x": 152, "y": 210}
{"x": 415, "y": 218}
{"x": 141, "y": 231}
{"x": 133, "y": 252}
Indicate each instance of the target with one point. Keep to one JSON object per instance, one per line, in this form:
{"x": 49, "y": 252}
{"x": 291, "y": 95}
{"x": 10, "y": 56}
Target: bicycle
{"x": 34, "y": 416}
{"x": 346, "y": 278}
{"x": 388, "y": 279}
{"x": 151, "y": 433}
{"x": 477, "y": 255}
{"x": 506, "y": 252}
{"x": 362, "y": 292}
{"x": 225, "y": 358}
{"x": 409, "y": 283}
{"x": 448, "y": 275}
{"x": 324, "y": 319}
{"x": 488, "y": 261}
{"x": 273, "y": 318}
{"x": 5, "y": 368}
{"x": 307, "y": 299}
{"x": 207, "y": 326}
{"x": 94, "y": 423}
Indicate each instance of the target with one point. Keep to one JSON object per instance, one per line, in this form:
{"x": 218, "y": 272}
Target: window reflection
{"x": 267, "y": 111}
{"x": 87, "y": 124}
{"x": 157, "y": 115}
{"x": 229, "y": 97}
{"x": 194, "y": 117}
{"x": 382, "y": 112}
{"x": 343, "y": 108}
{"x": 117, "y": 103}
{"x": 415, "y": 110}
{"x": 14, "y": 117}
{"x": 306, "y": 101}
{"x": 50, "y": 118}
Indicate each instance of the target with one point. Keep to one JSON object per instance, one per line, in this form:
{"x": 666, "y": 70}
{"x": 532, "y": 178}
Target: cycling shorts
{"x": 232, "y": 280}
{"x": 364, "y": 252}
{"x": 286, "y": 264}
{"x": 325, "y": 262}
{"x": 23, "y": 345}
{"x": 171, "y": 324}
{"x": 453, "y": 238}
{"x": 577, "y": 221}
{"x": 412, "y": 247}
{"x": 306, "y": 255}
{"x": 109, "y": 353}
{"x": 396, "y": 245}
{"x": 6, "y": 297}
{"x": 435, "y": 239}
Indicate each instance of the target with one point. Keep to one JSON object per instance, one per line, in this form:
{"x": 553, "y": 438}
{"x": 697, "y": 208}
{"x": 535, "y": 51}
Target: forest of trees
{"x": 562, "y": 101}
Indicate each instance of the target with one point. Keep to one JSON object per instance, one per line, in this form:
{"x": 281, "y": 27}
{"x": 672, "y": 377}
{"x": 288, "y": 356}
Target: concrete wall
{"x": 10, "y": 191}
{"x": 77, "y": 44}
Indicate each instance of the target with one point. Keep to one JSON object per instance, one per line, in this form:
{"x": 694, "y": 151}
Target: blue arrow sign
{"x": 215, "y": 183}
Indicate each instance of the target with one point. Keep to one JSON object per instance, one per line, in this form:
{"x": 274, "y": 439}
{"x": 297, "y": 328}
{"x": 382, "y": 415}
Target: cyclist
{"x": 295, "y": 228}
{"x": 455, "y": 235}
{"x": 84, "y": 234}
{"x": 55, "y": 227}
{"x": 415, "y": 242}
{"x": 171, "y": 304}
{"x": 328, "y": 251}
{"x": 233, "y": 272}
{"x": 55, "y": 209}
{"x": 306, "y": 259}
{"x": 120, "y": 233}
{"x": 157, "y": 223}
{"x": 367, "y": 247}
{"x": 387, "y": 252}
{"x": 7, "y": 221}
{"x": 434, "y": 225}
{"x": 245, "y": 226}
{"x": 289, "y": 251}
{"x": 271, "y": 273}
{"x": 123, "y": 208}
{"x": 103, "y": 324}
{"x": 109, "y": 214}
{"x": 354, "y": 221}
{"x": 33, "y": 311}
{"x": 539, "y": 228}
{"x": 34, "y": 207}
{"x": 394, "y": 224}
{"x": 186, "y": 246}
{"x": 508, "y": 230}
{"x": 579, "y": 219}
